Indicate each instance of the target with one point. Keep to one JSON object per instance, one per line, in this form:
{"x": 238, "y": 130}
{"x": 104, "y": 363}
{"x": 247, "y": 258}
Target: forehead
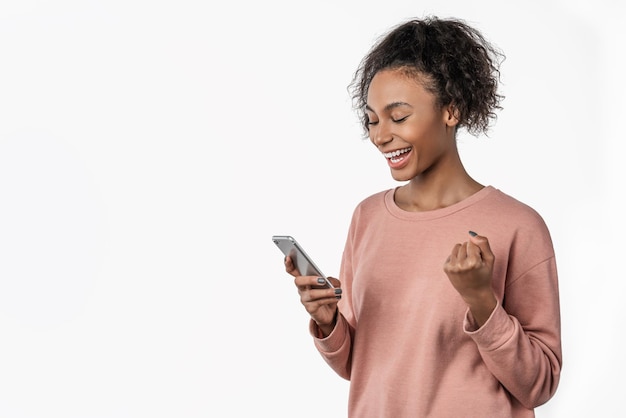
{"x": 395, "y": 86}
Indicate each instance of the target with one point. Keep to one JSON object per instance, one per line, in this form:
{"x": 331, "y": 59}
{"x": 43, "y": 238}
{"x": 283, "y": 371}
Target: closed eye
{"x": 400, "y": 120}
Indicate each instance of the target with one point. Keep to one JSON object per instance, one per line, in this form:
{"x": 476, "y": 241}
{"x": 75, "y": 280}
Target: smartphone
{"x": 305, "y": 265}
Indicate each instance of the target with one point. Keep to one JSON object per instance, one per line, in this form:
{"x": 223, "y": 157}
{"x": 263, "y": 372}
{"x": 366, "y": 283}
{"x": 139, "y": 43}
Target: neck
{"x": 429, "y": 192}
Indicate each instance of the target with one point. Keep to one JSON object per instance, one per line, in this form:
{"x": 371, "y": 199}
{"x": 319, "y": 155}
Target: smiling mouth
{"x": 397, "y": 155}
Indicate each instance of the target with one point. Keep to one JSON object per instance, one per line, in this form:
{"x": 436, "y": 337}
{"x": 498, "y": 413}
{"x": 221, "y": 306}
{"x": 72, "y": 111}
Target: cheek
{"x": 426, "y": 131}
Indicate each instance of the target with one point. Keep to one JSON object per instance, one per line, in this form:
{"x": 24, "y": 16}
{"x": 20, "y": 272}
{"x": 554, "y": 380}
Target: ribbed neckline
{"x": 396, "y": 211}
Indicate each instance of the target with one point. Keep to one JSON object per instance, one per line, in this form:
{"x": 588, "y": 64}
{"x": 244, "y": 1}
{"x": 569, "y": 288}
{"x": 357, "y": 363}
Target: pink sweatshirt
{"x": 406, "y": 340}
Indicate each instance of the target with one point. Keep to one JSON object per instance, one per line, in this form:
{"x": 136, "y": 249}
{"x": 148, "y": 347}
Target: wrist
{"x": 326, "y": 329}
{"x": 481, "y": 306}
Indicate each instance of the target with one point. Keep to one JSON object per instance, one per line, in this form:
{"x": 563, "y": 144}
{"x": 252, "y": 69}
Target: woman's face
{"x": 414, "y": 134}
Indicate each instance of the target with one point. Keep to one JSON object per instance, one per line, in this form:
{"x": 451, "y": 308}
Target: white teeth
{"x": 396, "y": 153}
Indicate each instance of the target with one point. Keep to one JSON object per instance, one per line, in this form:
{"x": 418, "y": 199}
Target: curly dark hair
{"x": 453, "y": 60}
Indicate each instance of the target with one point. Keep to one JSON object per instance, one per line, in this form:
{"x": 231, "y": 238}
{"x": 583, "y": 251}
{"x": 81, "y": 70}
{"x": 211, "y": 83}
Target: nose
{"x": 380, "y": 134}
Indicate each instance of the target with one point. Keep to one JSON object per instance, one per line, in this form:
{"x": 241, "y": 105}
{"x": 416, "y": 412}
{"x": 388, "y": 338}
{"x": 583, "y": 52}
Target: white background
{"x": 149, "y": 150}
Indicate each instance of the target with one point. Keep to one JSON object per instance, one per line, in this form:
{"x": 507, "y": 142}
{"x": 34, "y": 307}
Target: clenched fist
{"x": 469, "y": 268}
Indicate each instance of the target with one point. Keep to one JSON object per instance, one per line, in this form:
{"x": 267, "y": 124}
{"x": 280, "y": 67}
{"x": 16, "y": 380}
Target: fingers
{"x": 483, "y": 244}
{"x": 312, "y": 282}
{"x": 461, "y": 251}
{"x": 319, "y": 297}
{"x": 319, "y": 302}
{"x": 470, "y": 268}
{"x": 473, "y": 251}
{"x": 454, "y": 254}
{"x": 313, "y": 288}
{"x": 470, "y": 254}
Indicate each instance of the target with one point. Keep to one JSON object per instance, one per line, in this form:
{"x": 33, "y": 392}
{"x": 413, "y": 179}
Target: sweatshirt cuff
{"x": 334, "y": 340}
{"x": 494, "y": 333}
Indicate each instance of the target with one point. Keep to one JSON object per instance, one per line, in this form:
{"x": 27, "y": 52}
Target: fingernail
{"x": 472, "y": 233}
{"x": 337, "y": 291}
{"x": 321, "y": 280}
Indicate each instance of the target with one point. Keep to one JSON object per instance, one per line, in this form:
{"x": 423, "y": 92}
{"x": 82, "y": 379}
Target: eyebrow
{"x": 389, "y": 107}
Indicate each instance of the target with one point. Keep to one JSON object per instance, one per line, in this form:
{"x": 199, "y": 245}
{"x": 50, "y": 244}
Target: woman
{"x": 430, "y": 318}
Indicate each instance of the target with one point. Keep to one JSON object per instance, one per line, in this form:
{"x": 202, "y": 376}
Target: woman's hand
{"x": 318, "y": 300}
{"x": 470, "y": 268}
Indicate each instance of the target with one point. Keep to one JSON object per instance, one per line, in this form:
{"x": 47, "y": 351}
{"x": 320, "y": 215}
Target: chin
{"x": 399, "y": 176}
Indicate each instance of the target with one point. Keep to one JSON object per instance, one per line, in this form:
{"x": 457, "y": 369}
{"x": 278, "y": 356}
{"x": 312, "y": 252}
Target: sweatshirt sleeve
{"x": 520, "y": 342}
{"x": 336, "y": 347}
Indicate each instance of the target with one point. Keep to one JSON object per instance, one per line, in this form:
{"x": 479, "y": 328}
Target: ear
{"x": 451, "y": 115}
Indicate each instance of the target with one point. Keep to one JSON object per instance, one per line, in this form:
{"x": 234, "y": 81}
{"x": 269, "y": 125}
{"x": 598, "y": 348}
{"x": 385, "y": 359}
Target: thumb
{"x": 482, "y": 243}
{"x": 290, "y": 267}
